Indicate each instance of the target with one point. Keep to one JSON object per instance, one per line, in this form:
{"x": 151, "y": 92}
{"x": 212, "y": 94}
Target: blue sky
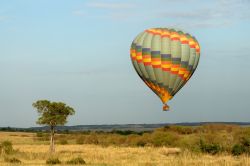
{"x": 78, "y": 52}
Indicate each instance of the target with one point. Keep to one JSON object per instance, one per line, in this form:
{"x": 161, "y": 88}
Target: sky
{"x": 77, "y": 52}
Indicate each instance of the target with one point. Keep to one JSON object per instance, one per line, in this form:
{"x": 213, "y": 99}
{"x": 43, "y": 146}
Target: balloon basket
{"x": 165, "y": 107}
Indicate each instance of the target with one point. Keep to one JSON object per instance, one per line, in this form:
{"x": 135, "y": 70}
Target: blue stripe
{"x": 155, "y": 52}
{"x": 146, "y": 49}
{"x": 166, "y": 55}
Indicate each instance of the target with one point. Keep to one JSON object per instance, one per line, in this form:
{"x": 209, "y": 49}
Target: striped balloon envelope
{"x": 165, "y": 59}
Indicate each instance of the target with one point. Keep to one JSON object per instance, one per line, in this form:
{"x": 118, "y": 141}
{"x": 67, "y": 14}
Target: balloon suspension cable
{"x": 165, "y": 107}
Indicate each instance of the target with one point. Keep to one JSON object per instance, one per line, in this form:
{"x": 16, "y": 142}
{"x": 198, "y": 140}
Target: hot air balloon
{"x": 165, "y": 59}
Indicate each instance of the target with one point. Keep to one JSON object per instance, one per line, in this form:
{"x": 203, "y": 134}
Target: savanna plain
{"x": 211, "y": 144}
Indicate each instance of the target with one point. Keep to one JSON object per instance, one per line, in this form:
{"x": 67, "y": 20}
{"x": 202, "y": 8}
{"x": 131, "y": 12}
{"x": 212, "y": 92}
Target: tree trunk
{"x": 52, "y": 141}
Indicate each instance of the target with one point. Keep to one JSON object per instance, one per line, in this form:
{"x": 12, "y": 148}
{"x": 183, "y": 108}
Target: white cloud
{"x": 111, "y": 5}
{"x": 198, "y": 14}
{"x": 202, "y": 24}
{"x": 107, "y": 10}
{"x": 215, "y": 14}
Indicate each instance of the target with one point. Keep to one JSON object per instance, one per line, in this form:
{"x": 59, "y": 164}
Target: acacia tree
{"x": 52, "y": 114}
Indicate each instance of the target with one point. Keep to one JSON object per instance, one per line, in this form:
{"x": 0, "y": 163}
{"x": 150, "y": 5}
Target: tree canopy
{"x": 52, "y": 113}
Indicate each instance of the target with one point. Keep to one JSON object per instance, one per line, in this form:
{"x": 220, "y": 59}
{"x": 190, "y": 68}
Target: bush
{"x": 6, "y": 147}
{"x": 12, "y": 160}
{"x": 245, "y": 141}
{"x": 78, "y": 161}
{"x": 191, "y": 143}
{"x": 242, "y": 146}
{"x": 160, "y": 138}
{"x": 141, "y": 143}
{"x": 238, "y": 149}
{"x": 210, "y": 148}
{"x": 53, "y": 161}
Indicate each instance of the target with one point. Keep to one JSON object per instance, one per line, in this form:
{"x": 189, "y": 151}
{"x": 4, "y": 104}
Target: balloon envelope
{"x": 165, "y": 59}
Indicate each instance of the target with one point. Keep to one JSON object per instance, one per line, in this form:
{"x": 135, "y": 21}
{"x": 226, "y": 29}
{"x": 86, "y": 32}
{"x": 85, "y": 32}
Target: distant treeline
{"x": 13, "y": 129}
{"x": 120, "y": 127}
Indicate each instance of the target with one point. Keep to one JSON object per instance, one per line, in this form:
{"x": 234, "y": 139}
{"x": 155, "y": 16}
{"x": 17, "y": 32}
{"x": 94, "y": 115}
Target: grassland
{"x": 131, "y": 149}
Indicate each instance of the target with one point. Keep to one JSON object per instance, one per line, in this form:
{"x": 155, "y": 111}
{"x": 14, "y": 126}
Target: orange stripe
{"x": 192, "y": 46}
{"x": 134, "y": 58}
{"x": 132, "y": 51}
{"x": 175, "y": 65}
{"x": 153, "y": 32}
{"x": 167, "y": 36}
{"x": 184, "y": 42}
{"x": 177, "y": 70}
{"x": 166, "y": 69}
{"x": 147, "y": 63}
{"x": 197, "y": 47}
{"x": 156, "y": 59}
{"x": 156, "y": 66}
{"x": 174, "y": 72}
{"x": 146, "y": 56}
{"x": 139, "y": 54}
{"x": 175, "y": 38}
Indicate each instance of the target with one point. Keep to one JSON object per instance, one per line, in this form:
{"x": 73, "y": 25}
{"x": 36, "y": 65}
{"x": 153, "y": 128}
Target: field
{"x": 123, "y": 149}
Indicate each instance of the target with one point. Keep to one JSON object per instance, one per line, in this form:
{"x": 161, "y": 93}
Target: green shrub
{"x": 6, "y": 147}
{"x": 190, "y": 142}
{"x": 164, "y": 139}
{"x": 78, "y": 161}
{"x": 238, "y": 149}
{"x": 210, "y": 148}
{"x": 53, "y": 161}
{"x": 141, "y": 143}
{"x": 245, "y": 141}
{"x": 12, "y": 160}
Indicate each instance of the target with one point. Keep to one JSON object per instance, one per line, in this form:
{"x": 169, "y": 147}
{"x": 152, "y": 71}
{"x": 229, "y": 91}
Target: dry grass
{"x": 127, "y": 156}
{"x": 35, "y": 154}
{"x": 17, "y": 137}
